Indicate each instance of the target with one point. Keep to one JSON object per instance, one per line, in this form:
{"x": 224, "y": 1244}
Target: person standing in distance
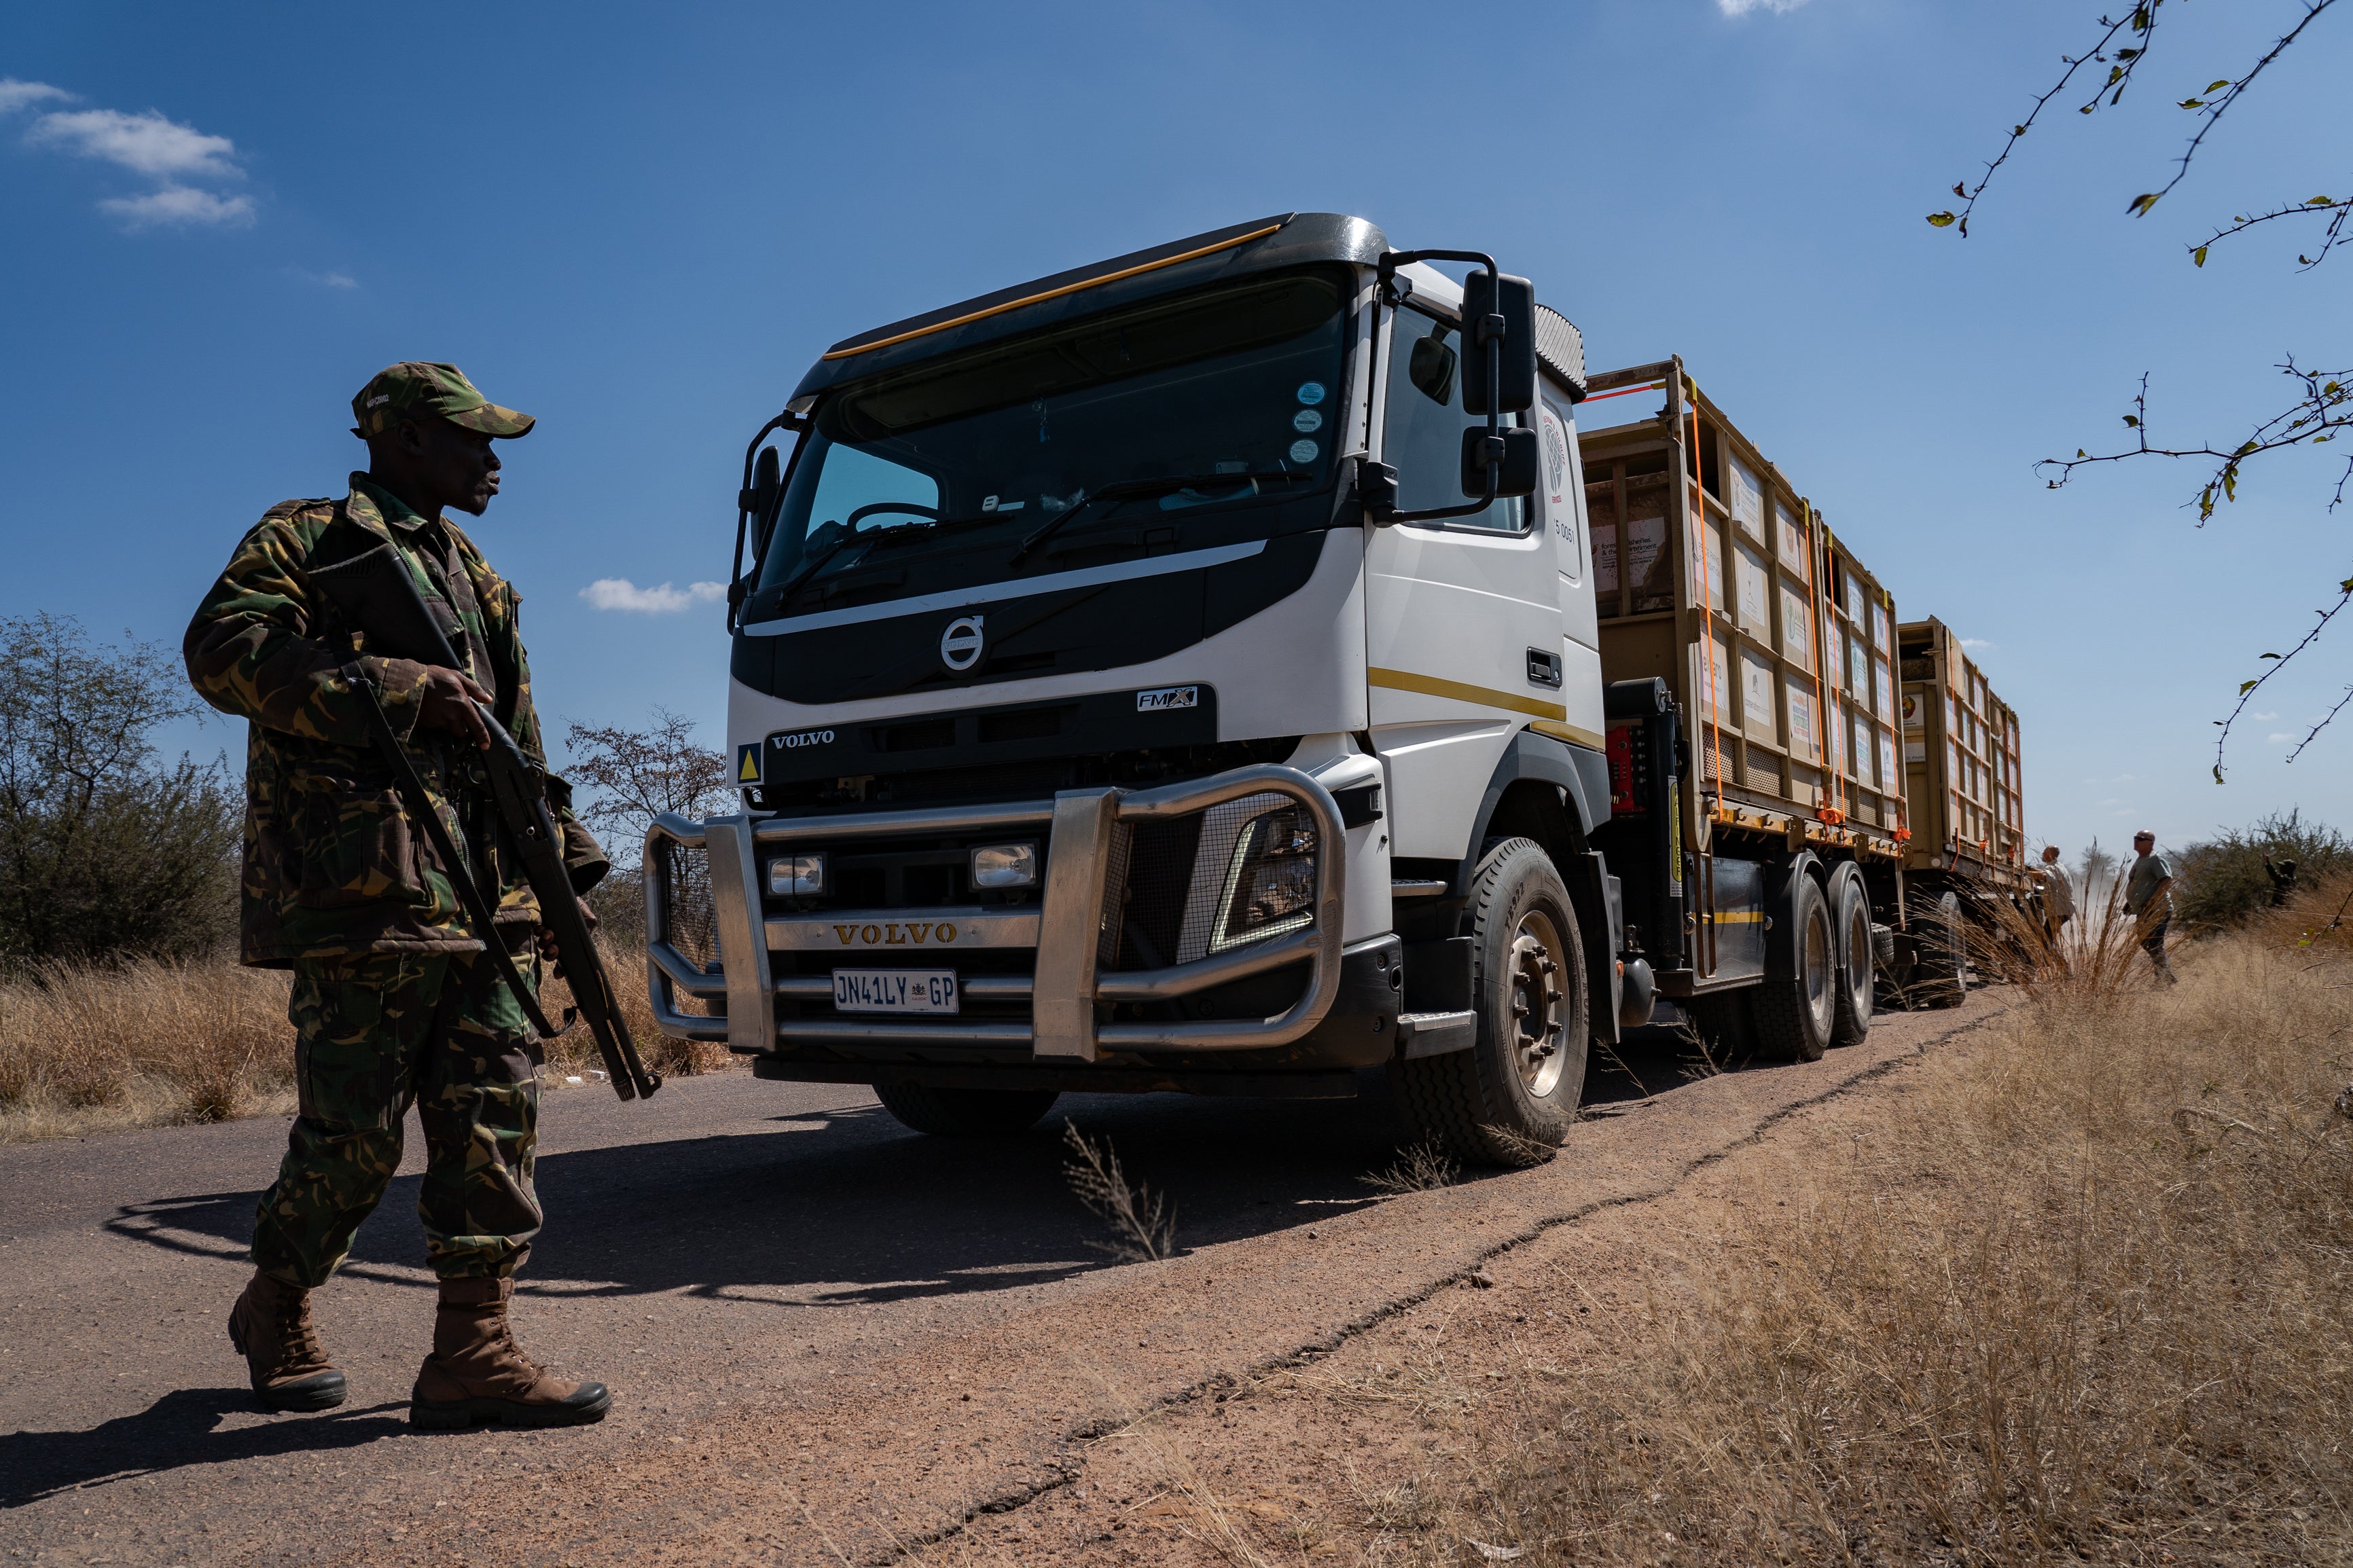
{"x": 2149, "y": 898}
{"x": 394, "y": 1001}
{"x": 2058, "y": 893}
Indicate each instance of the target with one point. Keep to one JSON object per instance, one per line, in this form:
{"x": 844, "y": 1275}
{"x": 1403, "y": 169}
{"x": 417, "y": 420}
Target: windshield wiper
{"x": 1125, "y": 488}
{"x": 810, "y": 567}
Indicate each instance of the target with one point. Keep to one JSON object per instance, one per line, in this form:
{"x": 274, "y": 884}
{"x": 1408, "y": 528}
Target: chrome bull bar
{"x": 1065, "y": 929}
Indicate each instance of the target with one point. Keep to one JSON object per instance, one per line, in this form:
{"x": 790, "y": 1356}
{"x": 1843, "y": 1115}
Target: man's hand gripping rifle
{"x": 376, "y": 595}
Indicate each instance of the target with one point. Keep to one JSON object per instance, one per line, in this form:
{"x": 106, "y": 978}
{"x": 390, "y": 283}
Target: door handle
{"x": 1544, "y": 669}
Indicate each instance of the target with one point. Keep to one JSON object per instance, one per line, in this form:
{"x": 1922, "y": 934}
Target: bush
{"x": 2222, "y": 882}
{"x": 102, "y": 850}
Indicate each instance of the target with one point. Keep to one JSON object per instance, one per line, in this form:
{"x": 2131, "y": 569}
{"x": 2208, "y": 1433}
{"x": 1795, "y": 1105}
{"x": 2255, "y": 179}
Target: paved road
{"x": 827, "y": 1337}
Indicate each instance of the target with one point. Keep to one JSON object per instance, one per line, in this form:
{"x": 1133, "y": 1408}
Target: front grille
{"x": 1157, "y": 875}
{"x": 691, "y": 921}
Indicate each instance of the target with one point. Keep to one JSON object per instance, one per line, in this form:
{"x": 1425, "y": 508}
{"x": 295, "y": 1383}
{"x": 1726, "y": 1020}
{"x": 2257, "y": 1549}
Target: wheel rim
{"x": 1539, "y": 1002}
{"x": 1818, "y": 965}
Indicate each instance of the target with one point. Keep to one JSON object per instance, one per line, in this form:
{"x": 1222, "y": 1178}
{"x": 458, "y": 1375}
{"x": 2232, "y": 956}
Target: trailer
{"x": 1965, "y": 792}
{"x": 1720, "y": 582}
{"x": 1227, "y": 667}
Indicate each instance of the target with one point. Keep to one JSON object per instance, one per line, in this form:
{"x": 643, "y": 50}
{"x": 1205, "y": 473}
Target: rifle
{"x": 374, "y": 591}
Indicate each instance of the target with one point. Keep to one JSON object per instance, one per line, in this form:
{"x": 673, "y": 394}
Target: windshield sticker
{"x": 1310, "y": 392}
{"x": 1303, "y": 451}
{"x": 1307, "y": 419}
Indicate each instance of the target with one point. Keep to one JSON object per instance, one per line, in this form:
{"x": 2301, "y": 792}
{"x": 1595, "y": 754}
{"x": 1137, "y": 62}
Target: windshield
{"x": 1227, "y": 399}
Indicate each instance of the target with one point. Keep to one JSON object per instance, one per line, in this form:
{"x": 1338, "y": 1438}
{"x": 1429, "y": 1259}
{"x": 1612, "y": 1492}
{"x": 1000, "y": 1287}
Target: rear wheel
{"x": 1851, "y": 919}
{"x": 1509, "y": 1100}
{"x": 963, "y": 1112}
{"x": 1794, "y": 1017}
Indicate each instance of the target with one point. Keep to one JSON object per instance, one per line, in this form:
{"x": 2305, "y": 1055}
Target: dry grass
{"x": 85, "y": 1048}
{"x": 88, "y": 1049}
{"x": 576, "y": 1051}
{"x": 2084, "y": 1295}
{"x": 1142, "y": 1222}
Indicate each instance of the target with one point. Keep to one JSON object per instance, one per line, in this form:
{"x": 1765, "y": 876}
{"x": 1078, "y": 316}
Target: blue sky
{"x": 641, "y": 224}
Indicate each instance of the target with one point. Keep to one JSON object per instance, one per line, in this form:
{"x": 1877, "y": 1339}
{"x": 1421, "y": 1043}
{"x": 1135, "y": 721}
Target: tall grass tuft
{"x": 2094, "y": 957}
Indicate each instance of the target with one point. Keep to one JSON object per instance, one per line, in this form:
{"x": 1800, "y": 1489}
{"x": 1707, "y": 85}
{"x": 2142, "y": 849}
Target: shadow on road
{"x": 815, "y": 1211}
{"x": 843, "y": 1208}
{"x": 181, "y": 1428}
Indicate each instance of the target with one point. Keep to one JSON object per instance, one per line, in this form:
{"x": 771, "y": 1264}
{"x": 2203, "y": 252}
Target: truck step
{"x": 1436, "y": 1033}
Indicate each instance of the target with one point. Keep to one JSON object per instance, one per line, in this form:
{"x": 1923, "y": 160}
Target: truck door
{"x": 1462, "y": 619}
{"x": 1560, "y": 493}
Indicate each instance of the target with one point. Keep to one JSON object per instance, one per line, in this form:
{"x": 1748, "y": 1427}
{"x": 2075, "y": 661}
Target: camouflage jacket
{"x": 332, "y": 865}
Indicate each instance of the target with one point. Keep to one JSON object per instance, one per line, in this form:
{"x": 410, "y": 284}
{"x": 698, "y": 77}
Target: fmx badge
{"x": 747, "y": 764}
{"x": 1161, "y": 699}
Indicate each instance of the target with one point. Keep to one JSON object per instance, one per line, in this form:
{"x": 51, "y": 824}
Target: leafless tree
{"x": 2321, "y": 406}
{"x": 634, "y": 775}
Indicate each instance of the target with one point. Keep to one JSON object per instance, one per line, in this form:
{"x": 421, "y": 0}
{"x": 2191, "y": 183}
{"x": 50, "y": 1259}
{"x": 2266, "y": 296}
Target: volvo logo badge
{"x": 960, "y": 644}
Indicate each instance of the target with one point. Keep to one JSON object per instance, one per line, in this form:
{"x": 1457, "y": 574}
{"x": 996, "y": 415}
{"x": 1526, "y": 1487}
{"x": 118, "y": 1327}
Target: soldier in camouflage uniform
{"x": 395, "y": 1000}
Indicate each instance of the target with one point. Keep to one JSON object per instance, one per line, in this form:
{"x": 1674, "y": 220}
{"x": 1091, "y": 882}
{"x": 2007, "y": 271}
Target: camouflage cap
{"x": 415, "y": 386}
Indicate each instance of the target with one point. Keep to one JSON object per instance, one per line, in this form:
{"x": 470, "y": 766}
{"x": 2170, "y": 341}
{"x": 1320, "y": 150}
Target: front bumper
{"x": 1074, "y": 1000}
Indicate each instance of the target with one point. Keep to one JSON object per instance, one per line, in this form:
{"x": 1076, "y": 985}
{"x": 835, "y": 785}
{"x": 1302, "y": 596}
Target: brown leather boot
{"x": 477, "y": 1372}
{"x": 271, "y": 1327}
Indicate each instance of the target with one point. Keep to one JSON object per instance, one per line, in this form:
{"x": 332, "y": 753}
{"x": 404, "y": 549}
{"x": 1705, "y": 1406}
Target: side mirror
{"x": 1431, "y": 367}
{"x": 762, "y": 500}
{"x": 1523, "y": 460}
{"x": 1499, "y": 338}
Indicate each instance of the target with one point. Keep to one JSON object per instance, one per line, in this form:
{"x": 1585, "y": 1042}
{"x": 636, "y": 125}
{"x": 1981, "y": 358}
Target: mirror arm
{"x": 788, "y": 420}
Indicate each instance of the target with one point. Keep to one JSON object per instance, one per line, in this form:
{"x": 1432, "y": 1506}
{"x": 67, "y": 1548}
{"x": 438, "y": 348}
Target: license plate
{"x": 894, "y": 990}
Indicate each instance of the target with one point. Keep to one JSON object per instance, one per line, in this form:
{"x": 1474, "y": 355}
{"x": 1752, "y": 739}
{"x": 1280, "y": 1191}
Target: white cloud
{"x": 171, "y": 154}
{"x": 323, "y": 279}
{"x": 15, "y": 95}
{"x": 1742, "y": 8}
{"x": 2277, "y": 736}
{"x": 620, "y": 594}
{"x": 1974, "y": 643}
{"x": 2262, "y": 716}
{"x": 170, "y": 204}
{"x": 147, "y": 143}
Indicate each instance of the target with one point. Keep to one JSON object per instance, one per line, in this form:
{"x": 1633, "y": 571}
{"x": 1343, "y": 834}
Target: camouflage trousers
{"x": 374, "y": 1035}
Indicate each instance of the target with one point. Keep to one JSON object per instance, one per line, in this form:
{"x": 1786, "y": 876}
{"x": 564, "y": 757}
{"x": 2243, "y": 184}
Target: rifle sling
{"x": 470, "y": 894}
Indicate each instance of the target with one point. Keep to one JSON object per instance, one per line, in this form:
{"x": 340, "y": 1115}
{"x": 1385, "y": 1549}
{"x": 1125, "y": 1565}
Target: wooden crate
{"x": 1714, "y": 571}
{"x": 1961, "y": 762}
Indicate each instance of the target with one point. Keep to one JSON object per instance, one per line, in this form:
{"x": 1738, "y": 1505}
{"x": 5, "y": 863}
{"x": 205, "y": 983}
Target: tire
{"x": 1944, "y": 967}
{"x": 1857, "y": 958}
{"x": 1510, "y": 1099}
{"x": 963, "y": 1112}
{"x": 1794, "y": 1017}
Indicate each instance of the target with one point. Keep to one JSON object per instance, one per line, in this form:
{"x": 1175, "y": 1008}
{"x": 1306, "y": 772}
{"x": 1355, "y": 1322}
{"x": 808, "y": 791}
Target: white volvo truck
{"x": 1183, "y": 673}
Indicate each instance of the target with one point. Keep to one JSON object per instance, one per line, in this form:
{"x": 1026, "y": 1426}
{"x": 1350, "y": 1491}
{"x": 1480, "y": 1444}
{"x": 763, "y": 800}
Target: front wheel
{"x": 963, "y": 1112}
{"x": 1509, "y": 1100}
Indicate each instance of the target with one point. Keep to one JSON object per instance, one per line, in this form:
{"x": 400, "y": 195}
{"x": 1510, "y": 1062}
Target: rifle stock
{"x": 374, "y": 593}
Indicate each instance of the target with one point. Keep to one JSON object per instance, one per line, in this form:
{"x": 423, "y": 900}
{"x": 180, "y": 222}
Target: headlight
{"x": 796, "y": 876}
{"x": 1270, "y": 881}
{"x": 998, "y": 866}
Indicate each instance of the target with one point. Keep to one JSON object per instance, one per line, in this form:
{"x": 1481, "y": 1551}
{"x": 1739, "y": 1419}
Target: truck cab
{"x": 1181, "y": 673}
